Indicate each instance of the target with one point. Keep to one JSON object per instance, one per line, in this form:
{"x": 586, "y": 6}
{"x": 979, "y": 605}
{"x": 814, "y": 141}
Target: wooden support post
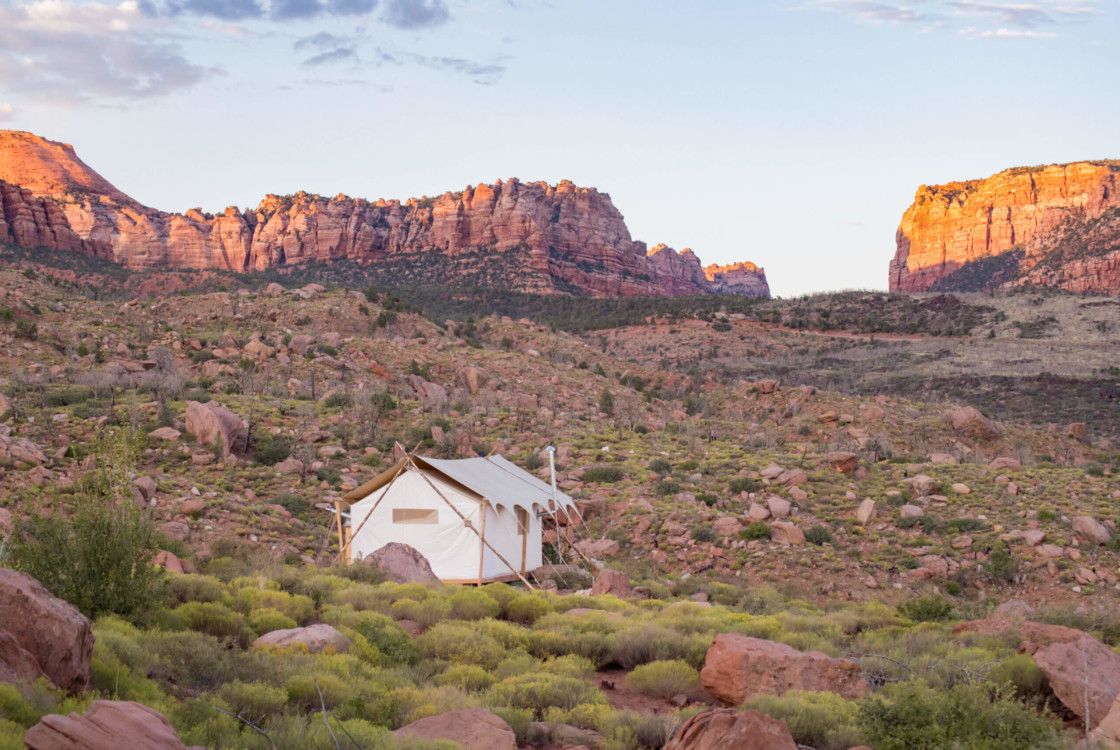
{"x": 338, "y": 525}
{"x": 482, "y": 543}
{"x": 472, "y": 528}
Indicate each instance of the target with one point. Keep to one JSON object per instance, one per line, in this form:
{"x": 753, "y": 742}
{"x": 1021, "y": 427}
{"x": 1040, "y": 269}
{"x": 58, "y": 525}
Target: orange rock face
{"x": 525, "y": 236}
{"x": 949, "y": 226}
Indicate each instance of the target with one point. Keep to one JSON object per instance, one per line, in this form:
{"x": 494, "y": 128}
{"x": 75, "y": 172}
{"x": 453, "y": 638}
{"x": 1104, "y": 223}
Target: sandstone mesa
{"x": 544, "y": 238}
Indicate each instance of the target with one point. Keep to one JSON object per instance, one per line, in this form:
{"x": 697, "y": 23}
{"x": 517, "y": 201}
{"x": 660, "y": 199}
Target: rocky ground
{"x": 698, "y": 476}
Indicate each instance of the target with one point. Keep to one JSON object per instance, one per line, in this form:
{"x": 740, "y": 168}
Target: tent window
{"x": 522, "y": 521}
{"x": 415, "y": 515}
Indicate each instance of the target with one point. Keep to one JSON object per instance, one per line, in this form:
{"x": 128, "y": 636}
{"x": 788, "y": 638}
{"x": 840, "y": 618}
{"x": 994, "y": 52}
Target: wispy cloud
{"x": 7, "y": 111}
{"x": 971, "y": 18}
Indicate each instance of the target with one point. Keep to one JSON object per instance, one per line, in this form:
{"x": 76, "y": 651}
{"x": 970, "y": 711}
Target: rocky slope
{"x": 1041, "y": 213}
{"x": 524, "y": 236}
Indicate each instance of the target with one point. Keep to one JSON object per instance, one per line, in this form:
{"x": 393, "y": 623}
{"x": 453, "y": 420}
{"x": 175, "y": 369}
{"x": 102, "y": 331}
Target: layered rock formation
{"x": 524, "y": 236}
{"x": 1042, "y": 214}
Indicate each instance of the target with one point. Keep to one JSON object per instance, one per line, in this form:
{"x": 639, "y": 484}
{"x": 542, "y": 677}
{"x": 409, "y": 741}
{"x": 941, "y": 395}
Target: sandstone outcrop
{"x": 106, "y": 725}
{"x": 317, "y": 638}
{"x": 402, "y": 564}
{"x": 38, "y": 627}
{"x": 738, "y": 667}
{"x": 1041, "y": 213}
{"x": 1084, "y": 674}
{"x": 528, "y": 236}
{"x": 472, "y": 728}
{"x": 724, "y": 728}
{"x": 211, "y": 424}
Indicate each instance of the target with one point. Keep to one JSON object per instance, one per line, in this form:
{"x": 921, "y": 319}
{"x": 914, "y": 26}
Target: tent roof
{"x": 494, "y": 478}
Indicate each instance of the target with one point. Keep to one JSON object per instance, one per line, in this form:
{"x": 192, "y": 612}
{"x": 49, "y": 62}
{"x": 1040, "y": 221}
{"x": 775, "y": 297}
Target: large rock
{"x": 597, "y": 549}
{"x": 786, "y": 533}
{"x": 402, "y": 563}
{"x": 1107, "y": 732}
{"x": 952, "y": 225}
{"x": 472, "y": 728}
{"x": 472, "y": 378}
{"x": 51, "y": 631}
{"x": 728, "y": 729}
{"x": 317, "y": 638}
{"x": 612, "y": 582}
{"x": 211, "y": 424}
{"x": 106, "y": 725}
{"x": 738, "y": 667}
{"x": 866, "y": 511}
{"x": 1083, "y": 673}
{"x": 967, "y": 420}
{"x": 1005, "y": 463}
{"x": 1090, "y": 531}
{"x": 843, "y": 462}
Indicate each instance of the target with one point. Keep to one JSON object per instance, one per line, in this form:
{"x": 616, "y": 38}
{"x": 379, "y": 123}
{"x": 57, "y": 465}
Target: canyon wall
{"x": 1024, "y": 209}
{"x": 540, "y": 237}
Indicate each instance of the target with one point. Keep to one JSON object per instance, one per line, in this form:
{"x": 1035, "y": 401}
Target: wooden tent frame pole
{"x": 467, "y": 523}
{"x": 482, "y": 544}
{"x": 338, "y": 511}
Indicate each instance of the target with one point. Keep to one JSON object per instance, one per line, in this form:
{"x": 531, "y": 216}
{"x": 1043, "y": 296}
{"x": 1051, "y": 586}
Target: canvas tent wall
{"x": 415, "y": 503}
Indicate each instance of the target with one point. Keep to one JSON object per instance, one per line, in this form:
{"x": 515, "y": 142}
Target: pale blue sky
{"x": 792, "y": 133}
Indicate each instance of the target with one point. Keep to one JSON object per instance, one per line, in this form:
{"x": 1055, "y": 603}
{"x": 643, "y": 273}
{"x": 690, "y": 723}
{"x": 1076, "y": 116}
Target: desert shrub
{"x": 1021, "y": 672}
{"x": 189, "y": 660}
{"x": 459, "y": 643}
{"x": 569, "y": 665}
{"x": 472, "y": 604}
{"x": 266, "y": 620}
{"x": 519, "y": 720}
{"x": 469, "y": 677}
{"x": 646, "y": 642}
{"x": 913, "y": 716}
{"x": 502, "y": 593}
{"x": 660, "y": 466}
{"x": 271, "y": 451}
{"x": 195, "y": 588}
{"x": 1001, "y": 566}
{"x": 383, "y": 634}
{"x": 539, "y": 691}
{"x": 821, "y": 720}
{"x": 299, "y": 608}
{"x": 602, "y": 474}
{"x": 217, "y": 620}
{"x": 630, "y": 730}
{"x": 743, "y": 484}
{"x": 100, "y": 556}
{"x": 667, "y": 487}
{"x": 703, "y": 533}
{"x": 527, "y": 609}
{"x": 338, "y": 400}
{"x": 926, "y": 609}
{"x": 818, "y": 535}
{"x": 664, "y": 679}
{"x": 755, "y": 531}
{"x": 304, "y": 694}
{"x": 253, "y": 699}
{"x": 14, "y": 707}
{"x": 508, "y": 635}
{"x": 425, "y": 614}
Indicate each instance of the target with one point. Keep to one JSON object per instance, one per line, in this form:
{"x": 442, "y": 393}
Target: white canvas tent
{"x": 476, "y": 520}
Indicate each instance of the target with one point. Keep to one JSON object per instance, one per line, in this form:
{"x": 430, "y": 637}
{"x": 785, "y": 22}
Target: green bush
{"x": 459, "y": 643}
{"x": 338, "y": 400}
{"x": 664, "y": 679}
{"x": 100, "y": 557}
{"x": 818, "y": 535}
{"x": 195, "y": 588}
{"x": 743, "y": 484}
{"x": 914, "y": 716}
{"x": 821, "y": 720}
{"x": 217, "y": 620}
{"x": 304, "y": 694}
{"x": 926, "y": 609}
{"x": 703, "y": 533}
{"x": 253, "y": 699}
{"x": 527, "y": 609}
{"x": 602, "y": 474}
{"x": 469, "y": 677}
{"x": 266, "y": 620}
{"x": 660, "y": 466}
{"x": 271, "y": 451}
{"x": 539, "y": 691}
{"x": 755, "y": 531}
{"x": 667, "y": 487}
{"x": 473, "y": 604}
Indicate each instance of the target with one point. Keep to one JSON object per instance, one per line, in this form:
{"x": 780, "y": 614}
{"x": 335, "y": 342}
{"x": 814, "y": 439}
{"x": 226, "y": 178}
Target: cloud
{"x": 64, "y": 52}
{"x": 342, "y": 54}
{"x": 987, "y": 20}
{"x": 416, "y": 14}
{"x": 226, "y": 10}
{"x": 7, "y": 111}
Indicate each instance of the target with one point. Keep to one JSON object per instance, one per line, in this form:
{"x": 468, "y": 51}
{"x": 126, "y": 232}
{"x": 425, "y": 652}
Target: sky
{"x": 790, "y": 133}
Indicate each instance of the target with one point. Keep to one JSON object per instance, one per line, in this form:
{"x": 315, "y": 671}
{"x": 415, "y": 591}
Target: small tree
{"x": 606, "y": 402}
{"x": 100, "y": 556}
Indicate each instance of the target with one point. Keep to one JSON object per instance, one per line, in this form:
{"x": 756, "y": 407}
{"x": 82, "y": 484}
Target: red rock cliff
{"x": 949, "y": 226}
{"x": 545, "y": 238}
